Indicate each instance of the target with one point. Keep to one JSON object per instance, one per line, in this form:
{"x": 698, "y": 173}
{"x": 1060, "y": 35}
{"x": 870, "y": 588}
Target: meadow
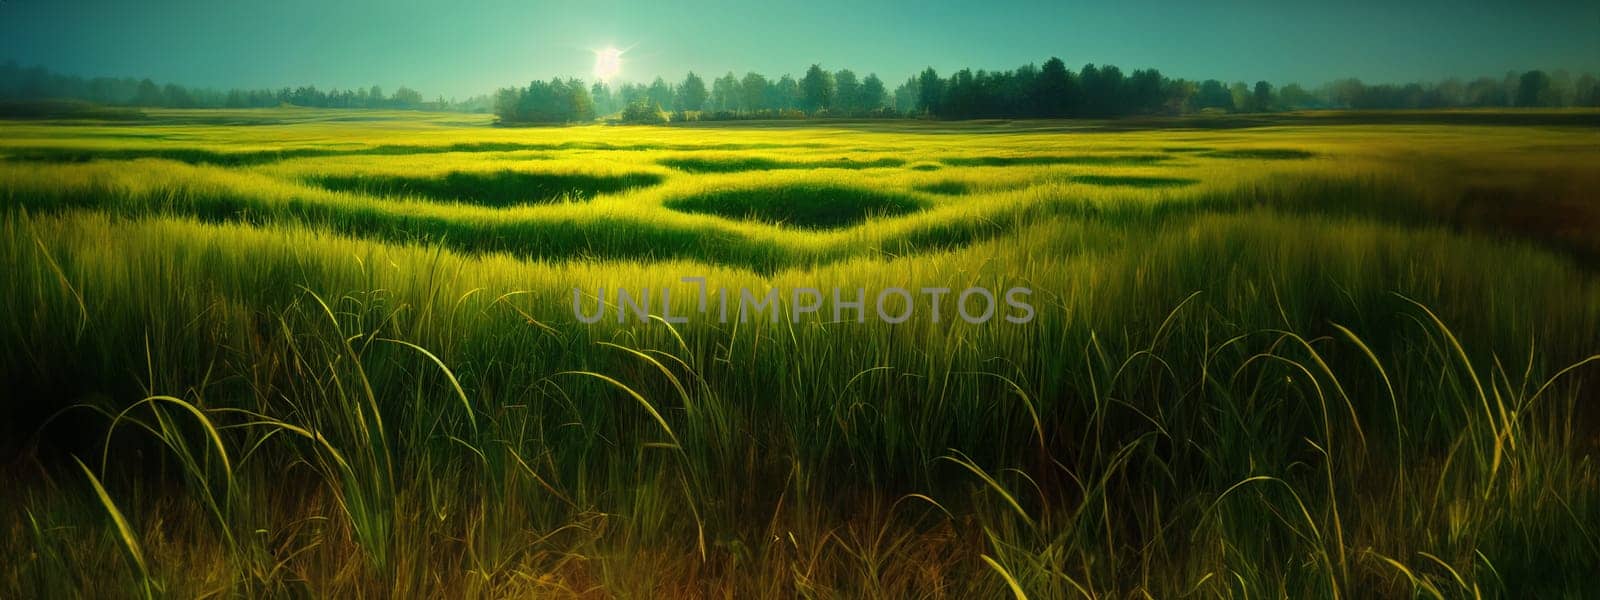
{"x": 290, "y": 352}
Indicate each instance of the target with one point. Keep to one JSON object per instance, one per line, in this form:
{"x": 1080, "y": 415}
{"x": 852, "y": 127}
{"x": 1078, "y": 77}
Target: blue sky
{"x": 444, "y": 48}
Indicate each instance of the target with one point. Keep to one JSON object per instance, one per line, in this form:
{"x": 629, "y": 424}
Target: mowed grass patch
{"x": 948, "y": 187}
{"x": 1141, "y": 181}
{"x": 1261, "y": 154}
{"x": 1045, "y": 159}
{"x": 961, "y": 187}
{"x": 699, "y": 164}
{"x": 808, "y": 206}
{"x": 495, "y": 189}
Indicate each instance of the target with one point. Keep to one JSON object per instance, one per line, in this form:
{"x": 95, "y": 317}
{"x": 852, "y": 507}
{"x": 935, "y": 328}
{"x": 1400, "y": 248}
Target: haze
{"x": 441, "y": 49}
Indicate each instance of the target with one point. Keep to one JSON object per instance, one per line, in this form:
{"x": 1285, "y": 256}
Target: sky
{"x": 461, "y": 49}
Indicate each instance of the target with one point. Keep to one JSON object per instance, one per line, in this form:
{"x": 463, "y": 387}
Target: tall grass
{"x": 1304, "y": 381}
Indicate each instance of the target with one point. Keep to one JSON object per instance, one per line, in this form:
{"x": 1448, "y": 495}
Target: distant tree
{"x": 1179, "y": 95}
{"x": 374, "y": 97}
{"x": 873, "y": 95}
{"x": 406, "y": 98}
{"x": 1586, "y": 91}
{"x": 660, "y": 94}
{"x": 1261, "y": 97}
{"x": 1293, "y": 97}
{"x": 725, "y": 93}
{"x": 508, "y": 105}
{"x": 1144, "y": 93}
{"x": 960, "y": 96}
{"x": 1344, "y": 93}
{"x": 786, "y": 93}
{"x": 692, "y": 93}
{"x": 753, "y": 90}
{"x": 176, "y": 96}
{"x": 1213, "y": 95}
{"x": 644, "y": 112}
{"x": 579, "y": 103}
{"x": 538, "y": 103}
{"x": 1052, "y": 89}
{"x": 601, "y": 94}
{"x": 816, "y": 89}
{"x": 1533, "y": 89}
{"x": 629, "y": 93}
{"x": 148, "y": 94}
{"x": 930, "y": 92}
{"x": 1240, "y": 94}
{"x": 1561, "y": 89}
{"x": 905, "y": 97}
{"x": 847, "y": 92}
{"x": 1450, "y": 92}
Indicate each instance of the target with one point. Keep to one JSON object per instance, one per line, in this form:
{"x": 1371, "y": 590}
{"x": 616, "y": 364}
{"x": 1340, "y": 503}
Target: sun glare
{"x": 607, "y": 64}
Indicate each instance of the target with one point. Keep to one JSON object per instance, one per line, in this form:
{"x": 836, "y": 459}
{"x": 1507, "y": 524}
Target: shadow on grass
{"x": 804, "y": 206}
{"x": 957, "y": 187}
{"x": 494, "y": 189}
{"x": 753, "y": 163}
{"x": 1082, "y": 159}
{"x": 1133, "y": 181}
{"x": 1260, "y": 154}
{"x": 199, "y": 156}
{"x": 947, "y": 187}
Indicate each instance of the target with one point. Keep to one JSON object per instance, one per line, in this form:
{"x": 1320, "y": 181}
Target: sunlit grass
{"x": 1347, "y": 372}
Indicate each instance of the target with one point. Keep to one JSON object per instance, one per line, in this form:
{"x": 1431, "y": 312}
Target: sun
{"x": 607, "y": 63}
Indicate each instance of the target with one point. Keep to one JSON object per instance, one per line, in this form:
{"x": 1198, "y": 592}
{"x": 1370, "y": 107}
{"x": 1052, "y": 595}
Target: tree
{"x": 601, "y": 94}
{"x": 1144, "y": 92}
{"x": 1240, "y": 94}
{"x": 1051, "y": 90}
{"x": 754, "y": 90}
{"x": 176, "y": 96}
{"x": 786, "y": 93}
{"x": 930, "y": 92}
{"x": 725, "y": 93}
{"x": 660, "y": 93}
{"x": 816, "y": 89}
{"x": 1261, "y": 97}
{"x": 508, "y": 105}
{"x": 148, "y": 94}
{"x": 1102, "y": 90}
{"x": 692, "y": 93}
{"x": 1213, "y": 95}
{"x": 847, "y": 92}
{"x": 1586, "y": 92}
{"x": 1485, "y": 91}
{"x": 960, "y": 96}
{"x": 579, "y": 103}
{"x": 407, "y": 98}
{"x": 1293, "y": 97}
{"x": 1178, "y": 95}
{"x": 905, "y": 97}
{"x": 1533, "y": 89}
{"x": 643, "y": 112}
{"x": 873, "y": 95}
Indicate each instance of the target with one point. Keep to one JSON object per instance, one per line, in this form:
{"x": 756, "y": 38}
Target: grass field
{"x": 290, "y": 352}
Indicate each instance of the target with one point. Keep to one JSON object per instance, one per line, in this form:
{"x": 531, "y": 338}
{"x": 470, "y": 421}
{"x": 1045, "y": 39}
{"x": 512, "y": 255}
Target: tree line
{"x": 37, "y": 83}
{"x": 1050, "y": 90}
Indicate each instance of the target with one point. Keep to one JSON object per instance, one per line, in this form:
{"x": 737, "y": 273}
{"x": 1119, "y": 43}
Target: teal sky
{"x": 440, "y": 48}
